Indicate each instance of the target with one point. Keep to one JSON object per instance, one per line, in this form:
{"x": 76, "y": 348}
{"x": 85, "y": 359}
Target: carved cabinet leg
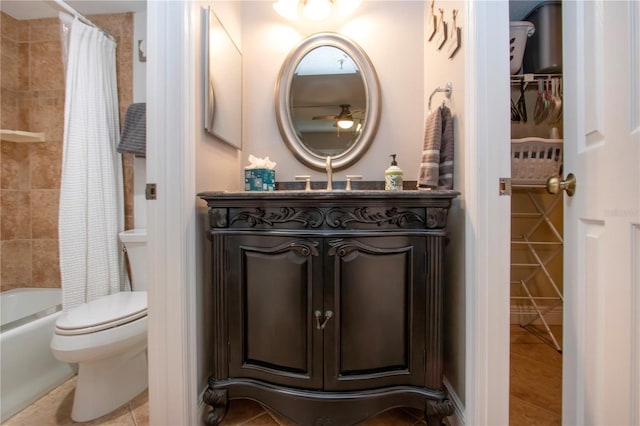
{"x": 435, "y": 411}
{"x": 218, "y": 401}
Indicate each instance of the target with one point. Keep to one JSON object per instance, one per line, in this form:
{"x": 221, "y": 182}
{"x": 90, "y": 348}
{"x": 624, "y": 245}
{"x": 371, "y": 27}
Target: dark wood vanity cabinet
{"x": 328, "y": 306}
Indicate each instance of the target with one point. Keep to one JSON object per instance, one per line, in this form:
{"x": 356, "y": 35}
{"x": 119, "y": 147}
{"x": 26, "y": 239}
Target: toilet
{"x": 107, "y": 337}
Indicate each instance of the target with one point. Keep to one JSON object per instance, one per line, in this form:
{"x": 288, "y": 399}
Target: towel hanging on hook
{"x": 447, "y": 93}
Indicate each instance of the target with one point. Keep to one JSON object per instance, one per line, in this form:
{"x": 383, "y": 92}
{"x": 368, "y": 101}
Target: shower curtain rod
{"x": 80, "y": 16}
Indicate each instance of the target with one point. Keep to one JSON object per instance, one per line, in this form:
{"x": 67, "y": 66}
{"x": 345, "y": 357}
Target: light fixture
{"x": 346, "y": 7}
{"x": 317, "y": 10}
{"x": 287, "y": 8}
{"x": 345, "y": 123}
{"x": 344, "y": 119}
{"x": 314, "y": 9}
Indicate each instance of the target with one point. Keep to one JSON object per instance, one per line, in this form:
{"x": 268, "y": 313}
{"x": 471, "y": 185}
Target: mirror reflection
{"x": 328, "y": 101}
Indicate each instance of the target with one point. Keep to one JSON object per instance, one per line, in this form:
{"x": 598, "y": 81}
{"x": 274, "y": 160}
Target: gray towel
{"x": 134, "y": 132}
{"x": 430, "y": 163}
{"x": 445, "y": 173}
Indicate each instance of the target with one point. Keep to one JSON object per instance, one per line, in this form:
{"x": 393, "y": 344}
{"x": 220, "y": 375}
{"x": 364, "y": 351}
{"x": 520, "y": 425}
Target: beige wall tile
{"x": 8, "y": 26}
{"x": 9, "y": 48}
{"x": 16, "y": 263}
{"x": 45, "y": 30}
{"x": 15, "y": 222}
{"x": 127, "y": 166}
{"x": 25, "y": 104}
{"x": 24, "y": 53}
{"x": 23, "y": 31}
{"x": 112, "y": 23}
{"x": 46, "y": 164}
{"x": 46, "y": 118}
{"x": 14, "y": 169}
{"x": 9, "y": 108}
{"x": 44, "y": 213}
{"x": 9, "y": 64}
{"x": 45, "y": 263}
{"x": 46, "y": 66}
{"x": 38, "y": 105}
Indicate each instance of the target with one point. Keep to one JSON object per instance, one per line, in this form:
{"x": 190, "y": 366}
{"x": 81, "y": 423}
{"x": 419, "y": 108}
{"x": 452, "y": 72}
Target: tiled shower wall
{"x": 32, "y": 84}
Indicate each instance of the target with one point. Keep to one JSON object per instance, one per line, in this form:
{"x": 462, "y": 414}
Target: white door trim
{"x": 487, "y": 137}
{"x": 171, "y": 218}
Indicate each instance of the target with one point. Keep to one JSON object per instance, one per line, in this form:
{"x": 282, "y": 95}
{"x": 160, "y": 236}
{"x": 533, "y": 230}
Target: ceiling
{"x": 35, "y": 9}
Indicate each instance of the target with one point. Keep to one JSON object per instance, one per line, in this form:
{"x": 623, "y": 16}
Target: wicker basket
{"x": 534, "y": 160}
{"x": 519, "y": 32}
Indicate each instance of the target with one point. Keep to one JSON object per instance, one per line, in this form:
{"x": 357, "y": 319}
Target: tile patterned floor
{"x": 533, "y": 402}
{"x": 54, "y": 409}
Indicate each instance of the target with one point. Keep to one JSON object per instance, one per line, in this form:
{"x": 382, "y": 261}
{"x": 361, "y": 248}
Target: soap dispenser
{"x": 393, "y": 176}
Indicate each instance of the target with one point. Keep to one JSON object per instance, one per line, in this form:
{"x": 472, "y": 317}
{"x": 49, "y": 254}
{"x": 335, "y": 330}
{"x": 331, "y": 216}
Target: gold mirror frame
{"x": 283, "y": 101}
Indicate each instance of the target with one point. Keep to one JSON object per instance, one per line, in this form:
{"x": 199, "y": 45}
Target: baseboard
{"x": 523, "y": 314}
{"x": 202, "y": 407}
{"x": 457, "y": 419}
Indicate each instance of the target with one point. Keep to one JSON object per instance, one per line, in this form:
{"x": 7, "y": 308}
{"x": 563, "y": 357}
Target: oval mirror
{"x": 327, "y": 101}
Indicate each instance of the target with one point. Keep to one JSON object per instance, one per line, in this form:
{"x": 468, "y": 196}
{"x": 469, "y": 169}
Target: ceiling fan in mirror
{"x": 344, "y": 119}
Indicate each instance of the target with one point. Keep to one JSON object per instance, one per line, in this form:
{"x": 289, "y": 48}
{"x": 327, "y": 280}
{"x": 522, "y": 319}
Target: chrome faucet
{"x": 329, "y": 174}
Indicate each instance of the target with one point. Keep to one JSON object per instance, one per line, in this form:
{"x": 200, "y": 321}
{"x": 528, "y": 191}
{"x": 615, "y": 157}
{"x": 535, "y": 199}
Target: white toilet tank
{"x": 135, "y": 241}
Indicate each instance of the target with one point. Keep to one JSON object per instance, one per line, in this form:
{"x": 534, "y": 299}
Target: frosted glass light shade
{"x": 317, "y": 9}
{"x": 346, "y": 7}
{"x": 287, "y": 9}
{"x": 345, "y": 123}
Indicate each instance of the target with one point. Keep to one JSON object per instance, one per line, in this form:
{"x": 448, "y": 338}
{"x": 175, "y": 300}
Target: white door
{"x": 601, "y": 366}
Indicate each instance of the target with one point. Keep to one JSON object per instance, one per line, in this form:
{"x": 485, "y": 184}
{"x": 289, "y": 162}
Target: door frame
{"x": 173, "y": 397}
{"x": 171, "y": 218}
{"x": 487, "y": 235}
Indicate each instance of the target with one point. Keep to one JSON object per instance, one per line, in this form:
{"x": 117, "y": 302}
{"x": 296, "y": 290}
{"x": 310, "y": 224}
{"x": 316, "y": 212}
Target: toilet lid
{"x": 103, "y": 313}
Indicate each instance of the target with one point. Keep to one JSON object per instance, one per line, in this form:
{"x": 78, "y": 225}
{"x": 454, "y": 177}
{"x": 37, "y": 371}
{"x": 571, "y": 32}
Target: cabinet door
{"x": 376, "y": 289}
{"x": 271, "y": 324}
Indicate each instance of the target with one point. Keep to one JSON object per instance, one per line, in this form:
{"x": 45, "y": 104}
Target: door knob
{"x": 555, "y": 185}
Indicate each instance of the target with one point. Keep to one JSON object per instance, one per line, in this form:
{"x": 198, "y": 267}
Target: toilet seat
{"x": 103, "y": 313}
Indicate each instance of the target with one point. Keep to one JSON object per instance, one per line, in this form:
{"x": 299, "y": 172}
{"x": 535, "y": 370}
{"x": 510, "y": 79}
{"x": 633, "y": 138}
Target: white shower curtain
{"x": 91, "y": 196}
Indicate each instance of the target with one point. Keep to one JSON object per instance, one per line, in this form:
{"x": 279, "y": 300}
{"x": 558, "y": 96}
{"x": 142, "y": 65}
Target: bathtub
{"x": 29, "y": 370}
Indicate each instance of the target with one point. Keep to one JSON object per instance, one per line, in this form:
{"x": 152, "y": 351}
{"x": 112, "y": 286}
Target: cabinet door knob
{"x": 327, "y": 317}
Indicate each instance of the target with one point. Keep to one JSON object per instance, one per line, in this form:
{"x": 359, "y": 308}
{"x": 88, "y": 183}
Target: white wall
{"x": 217, "y": 167}
{"x": 439, "y": 70}
{"x": 390, "y": 32}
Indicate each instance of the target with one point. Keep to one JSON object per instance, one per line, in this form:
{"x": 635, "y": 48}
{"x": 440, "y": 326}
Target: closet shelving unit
{"x": 538, "y": 242}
